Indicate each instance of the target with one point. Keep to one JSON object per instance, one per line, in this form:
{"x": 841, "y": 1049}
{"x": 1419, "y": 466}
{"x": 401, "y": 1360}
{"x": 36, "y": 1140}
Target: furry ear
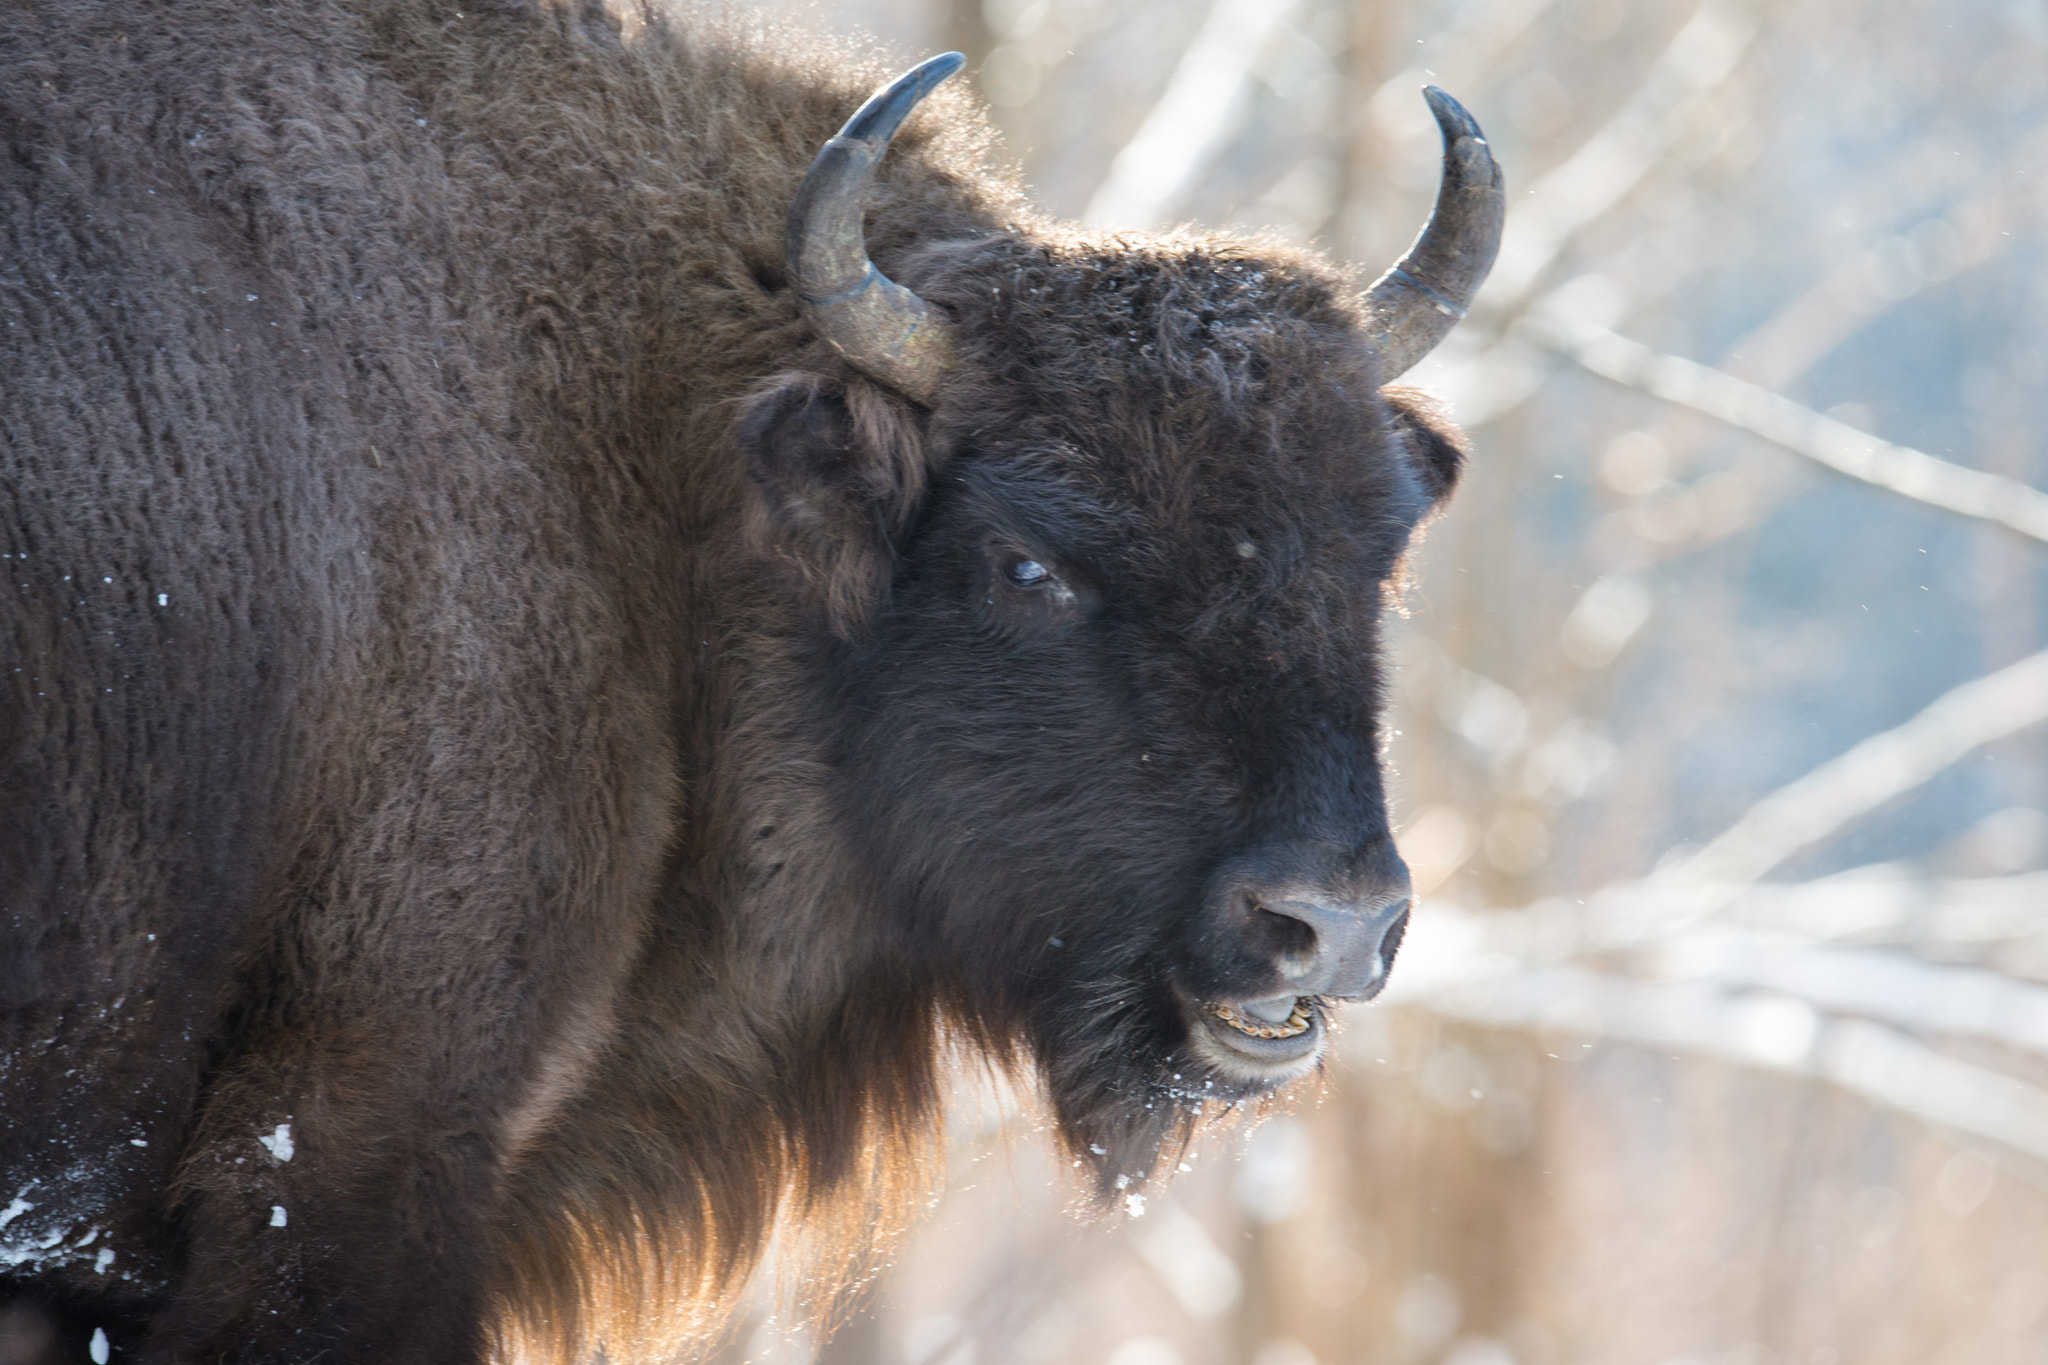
{"x": 839, "y": 468}
{"x": 1435, "y": 447}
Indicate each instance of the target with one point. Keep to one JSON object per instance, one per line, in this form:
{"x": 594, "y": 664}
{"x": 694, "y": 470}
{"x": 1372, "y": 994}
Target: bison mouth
{"x": 1255, "y": 1020}
{"x": 1258, "y": 1043}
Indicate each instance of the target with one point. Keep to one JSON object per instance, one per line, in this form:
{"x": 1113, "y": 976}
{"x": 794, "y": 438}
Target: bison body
{"x": 517, "y": 757}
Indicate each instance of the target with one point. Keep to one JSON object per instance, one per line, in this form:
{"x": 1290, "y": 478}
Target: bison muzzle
{"x": 565, "y": 649}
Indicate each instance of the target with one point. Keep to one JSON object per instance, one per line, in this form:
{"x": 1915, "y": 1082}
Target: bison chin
{"x": 1130, "y": 1087}
{"x": 1129, "y": 1099}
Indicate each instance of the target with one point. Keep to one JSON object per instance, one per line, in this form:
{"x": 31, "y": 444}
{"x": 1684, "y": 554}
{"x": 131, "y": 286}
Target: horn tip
{"x": 1464, "y": 139}
{"x": 925, "y": 77}
{"x": 943, "y": 65}
{"x": 1452, "y": 117}
{"x": 878, "y": 119}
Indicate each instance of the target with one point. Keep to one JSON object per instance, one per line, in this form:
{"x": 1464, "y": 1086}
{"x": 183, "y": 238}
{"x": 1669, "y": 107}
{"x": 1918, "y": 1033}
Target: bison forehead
{"x": 1185, "y": 328}
{"x": 1174, "y": 370}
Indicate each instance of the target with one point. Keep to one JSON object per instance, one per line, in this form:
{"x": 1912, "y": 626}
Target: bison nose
{"x": 1349, "y": 945}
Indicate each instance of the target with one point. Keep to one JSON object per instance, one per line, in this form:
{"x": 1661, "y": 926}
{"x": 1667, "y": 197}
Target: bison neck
{"x": 765, "y": 1053}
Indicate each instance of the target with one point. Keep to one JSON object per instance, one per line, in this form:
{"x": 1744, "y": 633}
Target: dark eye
{"x": 1027, "y": 573}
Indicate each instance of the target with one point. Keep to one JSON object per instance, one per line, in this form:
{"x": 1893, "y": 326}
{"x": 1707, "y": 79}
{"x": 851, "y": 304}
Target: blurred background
{"x": 1721, "y": 1037}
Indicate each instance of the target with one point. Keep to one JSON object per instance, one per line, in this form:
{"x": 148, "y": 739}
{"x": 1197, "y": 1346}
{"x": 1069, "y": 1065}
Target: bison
{"x": 543, "y": 695}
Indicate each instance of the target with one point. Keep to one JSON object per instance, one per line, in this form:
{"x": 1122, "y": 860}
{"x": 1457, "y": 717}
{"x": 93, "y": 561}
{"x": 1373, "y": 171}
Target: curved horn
{"x": 882, "y": 328}
{"x": 1416, "y": 304}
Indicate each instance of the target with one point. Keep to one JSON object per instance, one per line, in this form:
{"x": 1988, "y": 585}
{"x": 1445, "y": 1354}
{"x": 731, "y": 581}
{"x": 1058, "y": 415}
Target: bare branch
{"x": 1566, "y": 199}
{"x": 1891, "y": 903}
{"x": 1678, "y": 89}
{"x": 1864, "y": 286}
{"x": 1488, "y": 385}
{"x": 1841, "y": 447}
{"x": 1881, "y": 984}
{"x": 1202, "y": 103}
{"x": 1466, "y": 53}
{"x": 1765, "y": 1031}
{"x": 1881, "y": 767}
{"x": 1899, "y": 1073}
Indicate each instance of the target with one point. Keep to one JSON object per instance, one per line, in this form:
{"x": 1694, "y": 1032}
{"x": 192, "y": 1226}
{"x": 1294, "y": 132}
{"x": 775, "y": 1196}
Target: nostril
{"x": 1335, "y": 947}
{"x": 1390, "y": 942}
{"x": 1287, "y": 939}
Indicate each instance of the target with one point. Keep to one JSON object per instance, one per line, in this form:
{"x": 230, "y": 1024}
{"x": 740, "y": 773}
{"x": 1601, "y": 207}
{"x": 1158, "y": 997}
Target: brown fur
{"x": 458, "y": 803}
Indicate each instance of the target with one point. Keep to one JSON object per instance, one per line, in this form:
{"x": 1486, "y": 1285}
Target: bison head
{"x": 1096, "y": 536}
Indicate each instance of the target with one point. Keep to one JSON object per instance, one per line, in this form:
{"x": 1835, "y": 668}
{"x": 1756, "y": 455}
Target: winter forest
{"x": 1721, "y": 1037}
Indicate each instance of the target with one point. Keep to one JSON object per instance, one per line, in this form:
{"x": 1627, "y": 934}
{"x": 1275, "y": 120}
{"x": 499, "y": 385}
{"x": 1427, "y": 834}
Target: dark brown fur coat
{"x": 399, "y": 753}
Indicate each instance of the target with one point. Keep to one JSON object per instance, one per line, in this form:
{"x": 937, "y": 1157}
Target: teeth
{"x": 1297, "y": 1022}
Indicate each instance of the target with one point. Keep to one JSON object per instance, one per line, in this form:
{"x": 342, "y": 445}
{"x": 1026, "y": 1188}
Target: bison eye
{"x": 1027, "y": 591}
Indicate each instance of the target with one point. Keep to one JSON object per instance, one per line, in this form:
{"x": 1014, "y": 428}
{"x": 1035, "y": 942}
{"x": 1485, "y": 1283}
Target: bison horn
{"x": 882, "y": 328}
{"x": 1415, "y": 305}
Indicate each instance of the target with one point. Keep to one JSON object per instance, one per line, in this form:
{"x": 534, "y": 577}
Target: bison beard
{"x": 531, "y": 727}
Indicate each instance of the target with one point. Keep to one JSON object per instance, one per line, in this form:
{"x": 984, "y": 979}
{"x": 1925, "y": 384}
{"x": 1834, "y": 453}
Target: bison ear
{"x": 1435, "y": 447}
{"x": 839, "y": 469}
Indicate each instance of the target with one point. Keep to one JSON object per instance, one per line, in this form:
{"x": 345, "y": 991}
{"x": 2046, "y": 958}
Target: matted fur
{"x": 487, "y": 696}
